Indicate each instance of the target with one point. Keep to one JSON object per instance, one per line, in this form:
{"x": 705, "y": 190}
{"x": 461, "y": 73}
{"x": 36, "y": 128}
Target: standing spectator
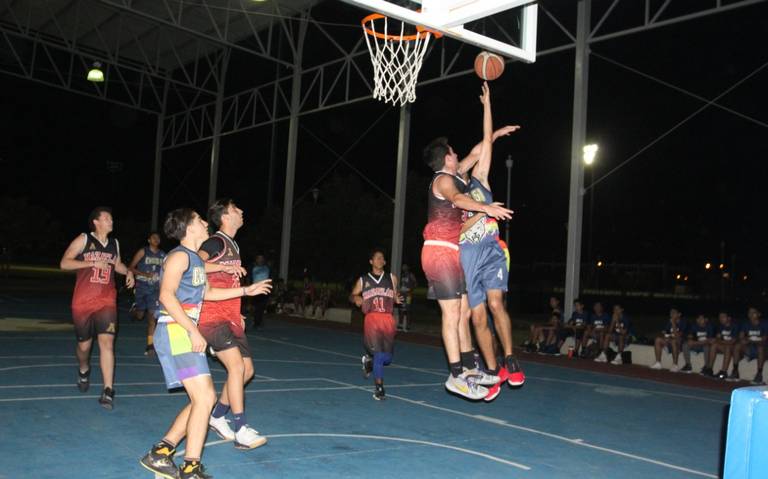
{"x": 671, "y": 337}
{"x": 576, "y": 325}
{"x": 752, "y": 340}
{"x": 700, "y": 336}
{"x": 596, "y": 328}
{"x": 725, "y": 340}
{"x": 259, "y": 272}
{"x": 618, "y": 332}
{"x": 407, "y": 285}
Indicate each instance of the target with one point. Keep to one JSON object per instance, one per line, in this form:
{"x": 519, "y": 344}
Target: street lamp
{"x": 590, "y": 151}
{"x": 95, "y": 74}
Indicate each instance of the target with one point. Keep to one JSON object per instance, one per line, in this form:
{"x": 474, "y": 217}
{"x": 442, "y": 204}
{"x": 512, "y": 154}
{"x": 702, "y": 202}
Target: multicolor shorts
{"x": 174, "y": 350}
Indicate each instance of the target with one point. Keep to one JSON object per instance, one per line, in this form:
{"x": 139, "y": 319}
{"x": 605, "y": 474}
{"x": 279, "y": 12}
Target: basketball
{"x": 489, "y": 66}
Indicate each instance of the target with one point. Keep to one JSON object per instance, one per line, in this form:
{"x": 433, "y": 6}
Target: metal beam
{"x": 216, "y": 143}
{"x": 158, "y": 162}
{"x": 398, "y": 223}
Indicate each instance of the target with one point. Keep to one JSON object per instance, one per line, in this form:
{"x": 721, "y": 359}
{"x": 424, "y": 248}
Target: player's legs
{"x": 202, "y": 397}
{"x": 107, "y": 358}
{"x": 484, "y": 336}
{"x": 658, "y": 345}
{"x": 83, "y": 353}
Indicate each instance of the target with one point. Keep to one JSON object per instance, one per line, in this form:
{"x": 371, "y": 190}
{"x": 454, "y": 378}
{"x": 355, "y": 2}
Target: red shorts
{"x": 442, "y": 267}
{"x": 379, "y": 332}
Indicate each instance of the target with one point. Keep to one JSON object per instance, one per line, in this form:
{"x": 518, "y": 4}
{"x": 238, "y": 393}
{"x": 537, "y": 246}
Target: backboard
{"x": 450, "y": 16}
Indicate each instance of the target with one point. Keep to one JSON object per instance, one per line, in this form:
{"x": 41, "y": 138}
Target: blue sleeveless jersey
{"x": 486, "y": 230}
{"x": 151, "y": 263}
{"x": 191, "y": 289}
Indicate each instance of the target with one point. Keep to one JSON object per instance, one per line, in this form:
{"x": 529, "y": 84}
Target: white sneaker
{"x": 656, "y": 365}
{"x": 674, "y": 368}
{"x": 617, "y": 360}
{"x": 465, "y": 386}
{"x": 482, "y": 378}
{"x": 220, "y": 426}
{"x": 248, "y": 438}
{"x": 601, "y": 358}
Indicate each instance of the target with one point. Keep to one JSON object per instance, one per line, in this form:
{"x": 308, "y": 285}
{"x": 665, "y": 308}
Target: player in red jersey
{"x": 95, "y": 257}
{"x": 222, "y": 325}
{"x": 440, "y": 254}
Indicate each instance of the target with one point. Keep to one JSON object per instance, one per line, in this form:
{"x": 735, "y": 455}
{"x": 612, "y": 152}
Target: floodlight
{"x": 95, "y": 74}
{"x": 590, "y": 151}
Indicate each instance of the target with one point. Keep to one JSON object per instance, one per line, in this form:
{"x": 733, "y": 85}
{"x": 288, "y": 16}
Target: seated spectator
{"x": 541, "y": 333}
{"x": 725, "y": 340}
{"x": 321, "y": 302}
{"x": 279, "y": 297}
{"x": 751, "y": 343}
{"x": 699, "y": 338}
{"x": 618, "y": 333}
{"x": 575, "y": 326}
{"x": 671, "y": 337}
{"x": 596, "y": 329}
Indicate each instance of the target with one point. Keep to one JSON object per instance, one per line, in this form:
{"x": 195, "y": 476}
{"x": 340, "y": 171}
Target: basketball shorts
{"x": 379, "y": 332}
{"x": 174, "y": 350}
{"x": 91, "y": 322}
{"x": 442, "y": 267}
{"x": 146, "y": 299}
{"x": 485, "y": 269}
{"x": 752, "y": 351}
{"x": 223, "y": 335}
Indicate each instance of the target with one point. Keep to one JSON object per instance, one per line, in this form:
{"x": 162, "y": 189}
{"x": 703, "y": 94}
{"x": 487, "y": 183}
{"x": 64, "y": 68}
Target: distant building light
{"x": 685, "y": 279}
{"x": 745, "y": 277}
{"x": 678, "y": 276}
{"x": 599, "y": 264}
{"x": 707, "y": 265}
{"x": 722, "y": 266}
{"x": 726, "y": 274}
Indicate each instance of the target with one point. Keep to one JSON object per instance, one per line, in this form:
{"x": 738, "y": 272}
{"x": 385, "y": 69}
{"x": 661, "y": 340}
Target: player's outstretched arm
{"x": 221, "y": 294}
{"x": 356, "y": 296}
{"x": 121, "y": 268}
{"x": 445, "y": 188}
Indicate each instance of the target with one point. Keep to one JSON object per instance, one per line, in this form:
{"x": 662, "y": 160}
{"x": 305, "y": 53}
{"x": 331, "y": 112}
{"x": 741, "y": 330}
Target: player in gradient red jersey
{"x": 95, "y": 257}
{"x": 440, "y": 262}
{"x": 376, "y": 294}
{"x": 222, "y": 325}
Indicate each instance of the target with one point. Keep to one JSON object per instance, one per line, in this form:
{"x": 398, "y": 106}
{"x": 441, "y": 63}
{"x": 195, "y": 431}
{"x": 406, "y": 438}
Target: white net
{"x": 396, "y": 60}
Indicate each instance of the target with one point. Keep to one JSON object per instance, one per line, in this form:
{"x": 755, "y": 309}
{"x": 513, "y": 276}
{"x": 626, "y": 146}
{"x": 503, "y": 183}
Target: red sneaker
{"x": 516, "y": 375}
{"x": 503, "y": 373}
{"x": 493, "y": 391}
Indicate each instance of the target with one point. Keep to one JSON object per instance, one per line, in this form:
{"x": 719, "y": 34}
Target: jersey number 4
{"x": 101, "y": 276}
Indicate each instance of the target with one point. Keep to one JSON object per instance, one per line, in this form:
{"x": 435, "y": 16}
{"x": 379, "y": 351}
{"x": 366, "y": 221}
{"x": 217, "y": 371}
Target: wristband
{"x": 244, "y": 291}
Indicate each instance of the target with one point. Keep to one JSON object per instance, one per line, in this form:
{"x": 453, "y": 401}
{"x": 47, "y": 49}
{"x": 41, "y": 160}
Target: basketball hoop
{"x": 396, "y": 58}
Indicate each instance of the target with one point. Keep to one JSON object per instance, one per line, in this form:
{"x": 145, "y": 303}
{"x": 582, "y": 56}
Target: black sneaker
{"x": 733, "y": 377}
{"x": 83, "y": 380}
{"x": 107, "y": 399}
{"x": 722, "y": 375}
{"x": 367, "y": 365}
{"x": 160, "y": 461}
{"x": 149, "y": 350}
{"x": 686, "y": 369}
{"x": 758, "y": 378}
{"x": 705, "y": 371}
{"x": 379, "y": 393}
{"x": 194, "y": 470}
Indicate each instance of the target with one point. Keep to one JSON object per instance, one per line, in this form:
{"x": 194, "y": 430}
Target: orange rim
{"x": 422, "y": 32}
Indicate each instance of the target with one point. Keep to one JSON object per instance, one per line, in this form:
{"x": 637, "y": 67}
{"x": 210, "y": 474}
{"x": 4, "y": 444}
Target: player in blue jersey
{"x": 751, "y": 344}
{"x": 180, "y": 346}
{"x": 146, "y": 265}
{"x": 671, "y": 337}
{"x": 725, "y": 342}
{"x": 698, "y": 339}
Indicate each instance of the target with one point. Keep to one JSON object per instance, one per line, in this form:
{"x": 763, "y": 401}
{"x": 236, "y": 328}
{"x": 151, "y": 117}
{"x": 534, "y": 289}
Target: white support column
{"x": 158, "y": 161}
{"x": 216, "y": 142}
{"x": 398, "y": 223}
{"x": 578, "y": 138}
{"x": 290, "y": 167}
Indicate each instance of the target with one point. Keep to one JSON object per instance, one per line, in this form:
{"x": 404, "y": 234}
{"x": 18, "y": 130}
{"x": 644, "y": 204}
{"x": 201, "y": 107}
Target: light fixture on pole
{"x": 590, "y": 151}
{"x": 95, "y": 74}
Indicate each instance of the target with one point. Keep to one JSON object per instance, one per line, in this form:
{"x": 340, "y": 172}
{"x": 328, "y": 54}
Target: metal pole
{"x": 158, "y": 161}
{"x": 290, "y": 167}
{"x": 398, "y": 224}
{"x": 579, "y": 133}
{"x": 216, "y": 143}
{"x": 509, "y": 164}
{"x": 273, "y": 140}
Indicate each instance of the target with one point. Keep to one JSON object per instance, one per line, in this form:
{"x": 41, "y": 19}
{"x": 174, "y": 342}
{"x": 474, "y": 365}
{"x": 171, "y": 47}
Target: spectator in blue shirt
{"x": 725, "y": 341}
{"x": 618, "y": 331}
{"x": 599, "y": 321}
{"x": 671, "y": 337}
{"x": 576, "y": 325}
{"x": 699, "y": 338}
{"x": 752, "y": 341}
{"x": 259, "y": 272}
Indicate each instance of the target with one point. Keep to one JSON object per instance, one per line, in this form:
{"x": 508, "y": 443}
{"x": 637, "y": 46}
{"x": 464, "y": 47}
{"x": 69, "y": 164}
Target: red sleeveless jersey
{"x": 222, "y": 250}
{"x": 443, "y": 218}
{"x": 95, "y": 288}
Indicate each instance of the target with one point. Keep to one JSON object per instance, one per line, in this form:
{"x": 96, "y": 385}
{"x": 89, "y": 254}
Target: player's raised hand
{"x": 485, "y": 98}
{"x": 498, "y": 211}
{"x": 505, "y": 131}
{"x": 262, "y": 287}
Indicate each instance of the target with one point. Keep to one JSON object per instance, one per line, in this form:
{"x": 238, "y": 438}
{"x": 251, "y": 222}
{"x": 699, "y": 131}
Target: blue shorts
{"x": 146, "y": 298}
{"x": 751, "y": 351}
{"x": 699, "y": 348}
{"x": 485, "y": 269}
{"x": 174, "y": 350}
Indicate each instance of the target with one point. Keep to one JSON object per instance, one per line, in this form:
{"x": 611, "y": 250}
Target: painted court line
{"x": 387, "y": 438}
{"x": 577, "y": 442}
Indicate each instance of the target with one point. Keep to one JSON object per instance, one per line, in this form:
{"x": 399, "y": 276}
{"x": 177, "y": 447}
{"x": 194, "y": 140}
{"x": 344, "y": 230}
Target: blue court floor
{"x": 311, "y": 401}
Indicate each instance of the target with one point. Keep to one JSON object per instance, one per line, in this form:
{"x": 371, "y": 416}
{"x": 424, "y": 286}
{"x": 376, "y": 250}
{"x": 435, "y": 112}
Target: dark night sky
{"x": 676, "y": 202}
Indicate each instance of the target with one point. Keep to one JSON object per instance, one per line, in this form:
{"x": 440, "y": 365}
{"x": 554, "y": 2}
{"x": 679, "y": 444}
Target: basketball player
{"x": 223, "y": 327}
{"x": 375, "y": 294}
{"x": 440, "y": 254}
{"x": 407, "y": 285}
{"x": 95, "y": 257}
{"x": 485, "y": 264}
{"x": 145, "y": 265}
{"x": 181, "y": 348}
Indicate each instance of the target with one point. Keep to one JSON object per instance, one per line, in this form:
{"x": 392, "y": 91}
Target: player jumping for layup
{"x": 440, "y": 254}
{"x": 96, "y": 257}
